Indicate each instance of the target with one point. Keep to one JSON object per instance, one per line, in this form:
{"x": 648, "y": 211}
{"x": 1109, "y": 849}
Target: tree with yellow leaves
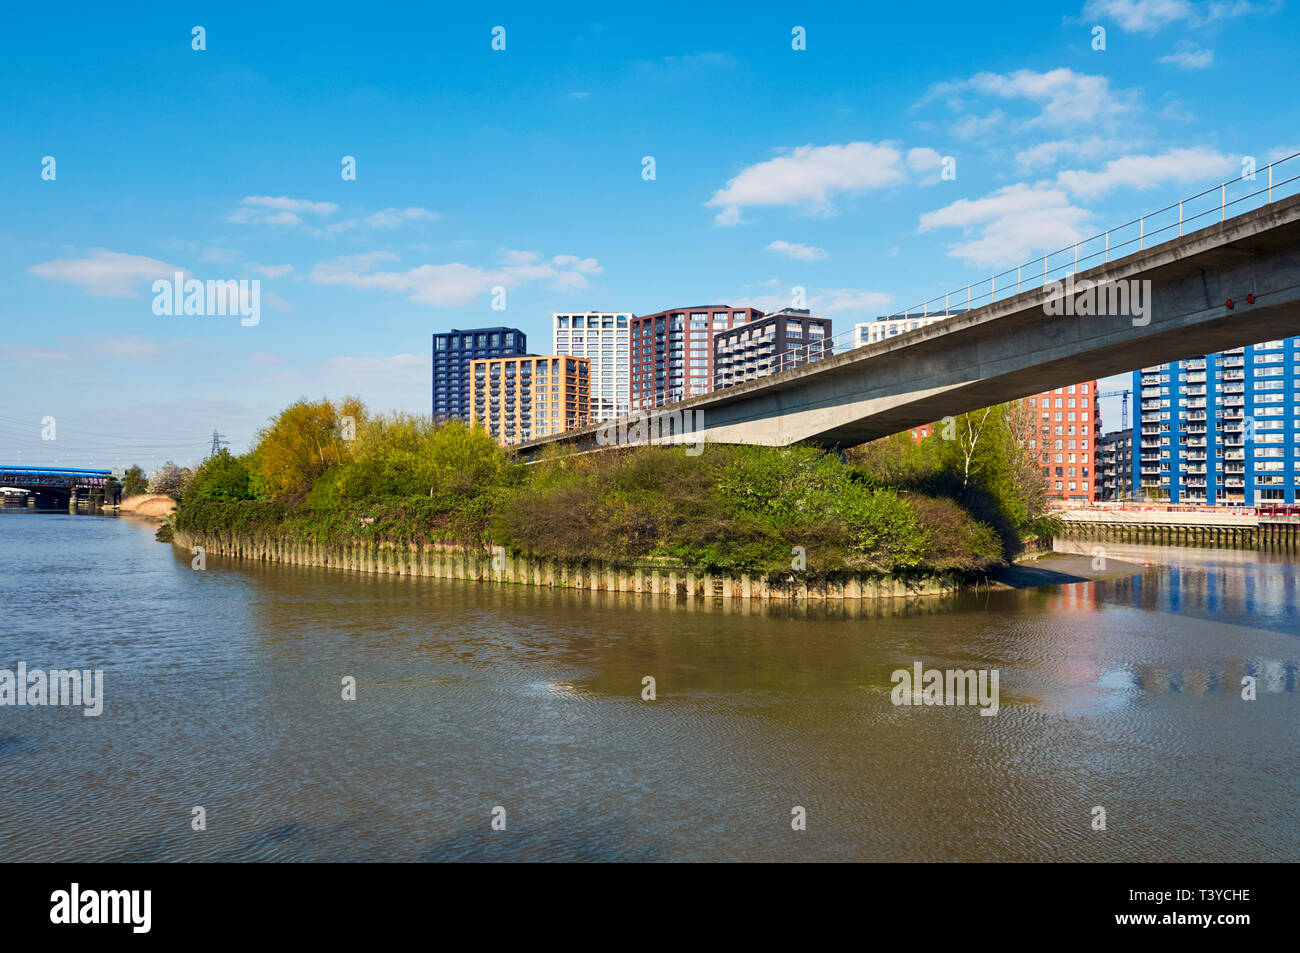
{"x": 302, "y": 442}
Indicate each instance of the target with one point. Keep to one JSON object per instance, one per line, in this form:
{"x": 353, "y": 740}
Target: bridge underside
{"x": 63, "y": 493}
{"x": 1013, "y": 348}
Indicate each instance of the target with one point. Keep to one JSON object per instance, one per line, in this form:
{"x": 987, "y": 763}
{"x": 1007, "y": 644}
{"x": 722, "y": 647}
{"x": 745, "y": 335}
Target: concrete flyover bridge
{"x": 1224, "y": 272}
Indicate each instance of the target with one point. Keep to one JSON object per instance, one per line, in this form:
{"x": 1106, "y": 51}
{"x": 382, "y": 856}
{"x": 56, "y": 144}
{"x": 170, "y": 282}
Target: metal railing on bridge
{"x": 52, "y": 476}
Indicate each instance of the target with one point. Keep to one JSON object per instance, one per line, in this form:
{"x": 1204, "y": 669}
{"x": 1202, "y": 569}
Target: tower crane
{"x": 1123, "y": 414}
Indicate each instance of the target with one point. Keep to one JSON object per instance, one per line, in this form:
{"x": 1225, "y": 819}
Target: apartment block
{"x": 1114, "y": 466}
{"x": 672, "y": 351}
{"x": 1064, "y": 428}
{"x": 1220, "y": 429}
{"x": 452, "y": 353}
{"x": 774, "y": 342}
{"x": 602, "y": 338}
{"x": 519, "y": 398}
{"x": 892, "y": 325}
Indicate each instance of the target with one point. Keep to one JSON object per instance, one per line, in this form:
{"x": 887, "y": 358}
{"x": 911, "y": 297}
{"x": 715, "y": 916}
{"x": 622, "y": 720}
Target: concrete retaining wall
{"x": 1283, "y": 537}
{"x": 439, "y": 561}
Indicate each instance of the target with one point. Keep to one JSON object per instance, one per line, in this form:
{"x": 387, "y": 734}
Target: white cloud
{"x": 1011, "y": 225}
{"x": 374, "y": 371}
{"x": 1187, "y": 55}
{"x": 221, "y": 256}
{"x": 1064, "y": 97}
{"x": 270, "y": 271}
{"x": 1139, "y": 16}
{"x": 285, "y": 203}
{"x": 586, "y": 266}
{"x": 810, "y": 177}
{"x": 278, "y": 210}
{"x": 106, "y": 273}
{"x": 796, "y": 251}
{"x": 1049, "y": 153}
{"x": 90, "y": 349}
{"x": 675, "y": 68}
{"x": 973, "y": 127}
{"x": 843, "y": 300}
{"x": 364, "y": 261}
{"x": 276, "y": 302}
{"x": 519, "y": 258}
{"x": 1181, "y": 166}
{"x": 1149, "y": 16}
{"x": 392, "y": 217}
{"x": 455, "y": 283}
{"x": 1175, "y": 111}
{"x": 134, "y": 348}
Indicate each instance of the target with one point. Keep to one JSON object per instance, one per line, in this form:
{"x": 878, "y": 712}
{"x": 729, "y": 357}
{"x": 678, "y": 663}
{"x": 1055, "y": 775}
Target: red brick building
{"x": 672, "y": 351}
{"x": 1064, "y": 431}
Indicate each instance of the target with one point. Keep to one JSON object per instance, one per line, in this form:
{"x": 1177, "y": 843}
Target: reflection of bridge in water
{"x": 64, "y": 484}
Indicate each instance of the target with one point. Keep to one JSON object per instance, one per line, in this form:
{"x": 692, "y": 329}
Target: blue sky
{"x": 523, "y": 168}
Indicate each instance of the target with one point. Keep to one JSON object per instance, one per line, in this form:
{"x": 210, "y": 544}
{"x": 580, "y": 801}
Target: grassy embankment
{"x": 890, "y": 509}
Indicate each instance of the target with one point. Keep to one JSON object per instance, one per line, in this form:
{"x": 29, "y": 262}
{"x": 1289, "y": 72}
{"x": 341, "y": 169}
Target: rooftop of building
{"x": 697, "y": 307}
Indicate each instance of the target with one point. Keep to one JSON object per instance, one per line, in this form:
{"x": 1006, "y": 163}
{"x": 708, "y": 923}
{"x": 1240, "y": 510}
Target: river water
{"x": 222, "y": 689}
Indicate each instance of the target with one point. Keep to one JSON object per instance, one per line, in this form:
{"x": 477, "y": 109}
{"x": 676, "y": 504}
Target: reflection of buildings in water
{"x": 1273, "y": 676}
{"x": 1245, "y": 583}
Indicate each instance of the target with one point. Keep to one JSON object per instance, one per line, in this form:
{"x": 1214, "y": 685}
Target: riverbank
{"x": 153, "y": 507}
{"x": 487, "y": 565}
{"x": 732, "y": 522}
{"x": 1149, "y": 526}
{"x": 1059, "y": 569}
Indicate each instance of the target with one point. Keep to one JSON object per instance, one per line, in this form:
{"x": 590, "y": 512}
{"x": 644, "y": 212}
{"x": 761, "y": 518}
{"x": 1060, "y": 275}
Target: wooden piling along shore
{"x": 442, "y": 561}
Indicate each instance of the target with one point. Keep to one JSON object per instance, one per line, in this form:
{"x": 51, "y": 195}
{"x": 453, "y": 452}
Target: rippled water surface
{"x": 222, "y": 689}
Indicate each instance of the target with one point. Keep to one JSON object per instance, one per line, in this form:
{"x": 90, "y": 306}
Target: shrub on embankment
{"x": 729, "y": 509}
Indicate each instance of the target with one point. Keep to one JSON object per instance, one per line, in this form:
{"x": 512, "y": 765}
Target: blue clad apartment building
{"x": 452, "y": 352}
{"x": 1220, "y": 429}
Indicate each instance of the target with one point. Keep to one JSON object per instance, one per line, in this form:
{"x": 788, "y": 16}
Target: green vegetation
{"x": 134, "y": 482}
{"x": 222, "y": 476}
{"x": 978, "y": 460}
{"x": 331, "y": 473}
{"x": 170, "y": 479}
